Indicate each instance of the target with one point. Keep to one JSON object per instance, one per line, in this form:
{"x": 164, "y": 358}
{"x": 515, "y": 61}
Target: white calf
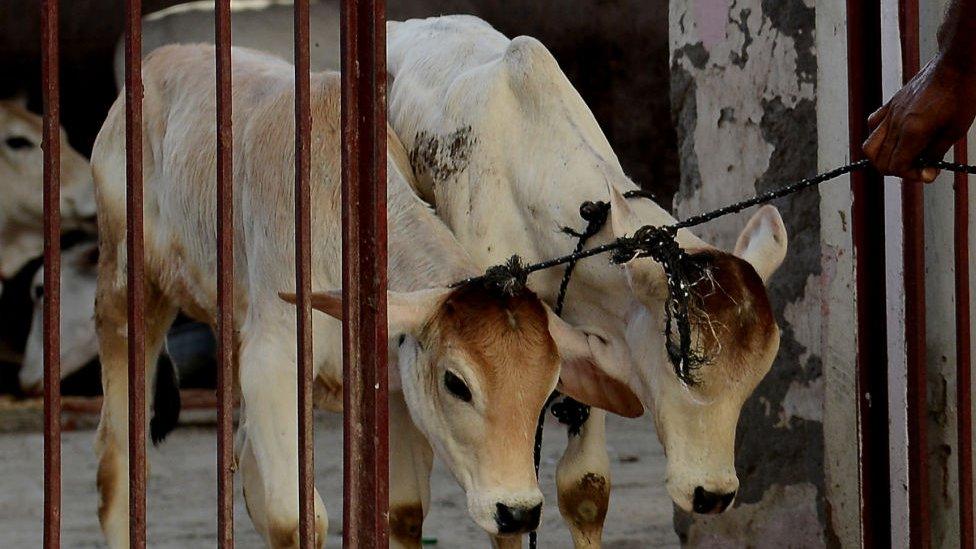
{"x": 504, "y": 145}
{"x": 473, "y": 366}
{"x": 79, "y": 345}
{"x": 21, "y": 209}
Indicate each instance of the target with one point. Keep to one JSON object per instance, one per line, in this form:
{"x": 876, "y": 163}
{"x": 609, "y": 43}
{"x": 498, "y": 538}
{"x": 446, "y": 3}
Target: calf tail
{"x": 166, "y": 403}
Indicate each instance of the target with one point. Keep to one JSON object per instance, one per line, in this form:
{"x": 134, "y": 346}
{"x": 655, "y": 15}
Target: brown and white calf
{"x": 470, "y": 368}
{"x": 21, "y": 186}
{"x": 505, "y": 147}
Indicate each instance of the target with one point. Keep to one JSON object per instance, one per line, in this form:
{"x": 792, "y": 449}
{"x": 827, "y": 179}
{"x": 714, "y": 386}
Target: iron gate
{"x": 364, "y": 273}
{"x": 364, "y": 282}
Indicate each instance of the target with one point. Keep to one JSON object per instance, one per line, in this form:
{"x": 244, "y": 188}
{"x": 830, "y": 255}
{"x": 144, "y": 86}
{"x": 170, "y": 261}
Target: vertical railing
{"x": 365, "y": 425}
{"x": 964, "y": 419}
{"x": 135, "y": 274}
{"x": 913, "y": 226}
{"x": 52, "y": 273}
{"x": 864, "y": 96}
{"x": 303, "y": 128}
{"x": 225, "y": 280}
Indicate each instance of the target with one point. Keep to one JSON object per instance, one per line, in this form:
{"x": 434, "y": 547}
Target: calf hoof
{"x": 584, "y": 506}
{"x": 406, "y": 525}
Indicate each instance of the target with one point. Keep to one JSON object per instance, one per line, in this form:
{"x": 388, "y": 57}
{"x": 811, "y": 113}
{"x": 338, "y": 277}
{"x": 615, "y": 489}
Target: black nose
{"x": 708, "y": 503}
{"x": 517, "y": 520}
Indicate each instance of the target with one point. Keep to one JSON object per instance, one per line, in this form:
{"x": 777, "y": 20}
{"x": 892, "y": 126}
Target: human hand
{"x": 930, "y": 113}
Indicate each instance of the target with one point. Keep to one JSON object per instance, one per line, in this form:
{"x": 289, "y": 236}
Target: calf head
{"x": 79, "y": 344}
{"x": 476, "y": 367}
{"x": 21, "y": 184}
{"x": 733, "y": 330}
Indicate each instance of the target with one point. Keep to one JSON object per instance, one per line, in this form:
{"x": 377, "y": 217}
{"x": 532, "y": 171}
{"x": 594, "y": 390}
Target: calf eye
{"x": 38, "y": 293}
{"x": 456, "y": 386}
{"x": 19, "y": 143}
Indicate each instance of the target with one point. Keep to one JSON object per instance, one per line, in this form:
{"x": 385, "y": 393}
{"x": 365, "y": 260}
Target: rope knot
{"x": 682, "y": 272}
{"x": 507, "y": 279}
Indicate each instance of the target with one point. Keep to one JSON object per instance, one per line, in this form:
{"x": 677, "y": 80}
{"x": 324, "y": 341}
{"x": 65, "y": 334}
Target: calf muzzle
{"x": 517, "y": 520}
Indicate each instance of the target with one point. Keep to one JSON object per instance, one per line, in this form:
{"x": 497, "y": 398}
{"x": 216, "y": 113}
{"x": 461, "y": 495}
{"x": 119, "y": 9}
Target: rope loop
{"x": 507, "y": 279}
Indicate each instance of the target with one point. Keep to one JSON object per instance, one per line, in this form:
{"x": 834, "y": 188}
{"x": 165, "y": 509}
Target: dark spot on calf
{"x": 406, "y": 524}
{"x": 585, "y": 504}
{"x": 441, "y": 157}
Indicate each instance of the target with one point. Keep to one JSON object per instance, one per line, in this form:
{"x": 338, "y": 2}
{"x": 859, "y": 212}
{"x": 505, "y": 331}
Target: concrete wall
{"x": 744, "y": 98}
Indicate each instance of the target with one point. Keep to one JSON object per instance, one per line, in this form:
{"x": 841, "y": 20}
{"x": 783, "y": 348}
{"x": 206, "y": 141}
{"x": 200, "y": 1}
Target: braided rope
{"x": 682, "y": 271}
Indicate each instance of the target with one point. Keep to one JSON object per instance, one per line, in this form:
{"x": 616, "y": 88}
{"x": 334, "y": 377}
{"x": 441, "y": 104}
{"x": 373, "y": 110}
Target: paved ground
{"x": 182, "y": 491}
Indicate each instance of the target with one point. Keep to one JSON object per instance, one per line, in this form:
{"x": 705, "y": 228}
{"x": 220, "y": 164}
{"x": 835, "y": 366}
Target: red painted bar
{"x": 964, "y": 406}
{"x": 135, "y": 274}
{"x": 225, "y": 281}
{"x": 364, "y": 277}
{"x": 913, "y": 215}
{"x": 52, "y": 273}
{"x": 303, "y": 278}
{"x": 864, "y": 96}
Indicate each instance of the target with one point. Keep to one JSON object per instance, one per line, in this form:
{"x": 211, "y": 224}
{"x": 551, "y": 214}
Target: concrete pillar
{"x": 744, "y": 99}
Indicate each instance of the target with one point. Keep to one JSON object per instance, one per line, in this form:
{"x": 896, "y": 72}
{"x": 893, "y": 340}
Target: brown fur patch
{"x": 585, "y": 504}
{"x": 505, "y": 334}
{"x": 406, "y": 524}
{"x": 732, "y": 315}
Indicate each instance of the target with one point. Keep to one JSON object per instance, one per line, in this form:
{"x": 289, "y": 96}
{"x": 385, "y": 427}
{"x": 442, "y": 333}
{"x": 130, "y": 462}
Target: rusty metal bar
{"x": 913, "y": 216}
{"x": 964, "y": 419}
{"x": 52, "y": 273}
{"x": 364, "y": 277}
{"x": 303, "y": 278}
{"x": 225, "y": 280}
{"x": 864, "y": 96}
{"x": 135, "y": 274}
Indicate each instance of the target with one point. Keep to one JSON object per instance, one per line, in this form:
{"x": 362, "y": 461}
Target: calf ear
{"x": 591, "y": 373}
{"x": 329, "y": 302}
{"x": 762, "y": 242}
{"x": 645, "y": 276}
{"x": 406, "y": 312}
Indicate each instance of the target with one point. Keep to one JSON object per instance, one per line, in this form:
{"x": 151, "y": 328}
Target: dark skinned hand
{"x": 924, "y": 119}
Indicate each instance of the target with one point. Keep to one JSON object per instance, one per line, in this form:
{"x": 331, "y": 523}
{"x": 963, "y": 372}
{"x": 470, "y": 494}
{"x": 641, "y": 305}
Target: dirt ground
{"x": 182, "y": 494}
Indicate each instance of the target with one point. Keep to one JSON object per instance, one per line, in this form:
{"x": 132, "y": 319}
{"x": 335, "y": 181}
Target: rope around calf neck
{"x": 658, "y": 243}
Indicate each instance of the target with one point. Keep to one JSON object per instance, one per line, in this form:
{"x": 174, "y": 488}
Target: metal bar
{"x": 225, "y": 280}
{"x": 864, "y": 96}
{"x": 364, "y": 277}
{"x": 964, "y": 419}
{"x": 913, "y": 215}
{"x": 303, "y": 277}
{"x": 135, "y": 274}
{"x": 50, "y": 88}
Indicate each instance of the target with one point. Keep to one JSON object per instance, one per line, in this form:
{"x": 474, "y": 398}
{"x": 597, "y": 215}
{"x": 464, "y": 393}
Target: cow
{"x": 471, "y": 365}
{"x": 21, "y": 176}
{"x": 506, "y": 150}
{"x": 79, "y": 345}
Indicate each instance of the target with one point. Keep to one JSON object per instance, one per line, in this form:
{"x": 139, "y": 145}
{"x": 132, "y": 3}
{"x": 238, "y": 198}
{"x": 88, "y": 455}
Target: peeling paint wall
{"x": 744, "y": 85}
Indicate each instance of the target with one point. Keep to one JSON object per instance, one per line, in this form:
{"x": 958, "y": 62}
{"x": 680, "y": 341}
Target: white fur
{"x": 538, "y": 154}
{"x": 424, "y": 258}
{"x": 79, "y": 345}
{"x": 21, "y": 186}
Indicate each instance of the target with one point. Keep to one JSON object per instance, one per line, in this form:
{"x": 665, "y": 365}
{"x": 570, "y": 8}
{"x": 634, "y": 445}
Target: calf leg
{"x": 269, "y": 463}
{"x": 511, "y": 542}
{"x": 411, "y": 459}
{"x": 583, "y": 481}
{"x": 112, "y": 440}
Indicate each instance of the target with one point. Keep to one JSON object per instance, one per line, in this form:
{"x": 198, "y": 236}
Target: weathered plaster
{"x": 747, "y": 122}
{"x": 785, "y": 513}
